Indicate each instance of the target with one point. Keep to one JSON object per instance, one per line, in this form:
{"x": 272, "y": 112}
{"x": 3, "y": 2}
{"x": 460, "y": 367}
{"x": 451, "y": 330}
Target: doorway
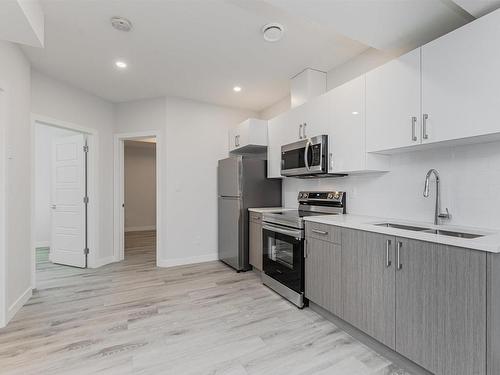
{"x": 137, "y": 197}
{"x": 63, "y": 198}
{"x": 140, "y": 200}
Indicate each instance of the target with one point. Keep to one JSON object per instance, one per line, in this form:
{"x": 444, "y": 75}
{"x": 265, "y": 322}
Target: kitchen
{"x": 333, "y": 211}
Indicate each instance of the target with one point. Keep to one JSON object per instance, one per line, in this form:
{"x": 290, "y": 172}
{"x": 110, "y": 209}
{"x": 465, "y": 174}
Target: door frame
{"x": 3, "y": 201}
{"x": 92, "y": 187}
{"x": 119, "y": 191}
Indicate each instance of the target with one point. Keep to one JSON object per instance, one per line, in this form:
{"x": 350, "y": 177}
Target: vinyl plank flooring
{"x": 204, "y": 319}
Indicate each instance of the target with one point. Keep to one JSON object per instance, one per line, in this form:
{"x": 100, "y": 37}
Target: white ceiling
{"x": 200, "y": 49}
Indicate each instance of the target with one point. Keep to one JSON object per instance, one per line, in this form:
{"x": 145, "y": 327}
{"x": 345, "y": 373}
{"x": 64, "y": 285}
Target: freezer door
{"x": 230, "y": 233}
{"x": 229, "y": 177}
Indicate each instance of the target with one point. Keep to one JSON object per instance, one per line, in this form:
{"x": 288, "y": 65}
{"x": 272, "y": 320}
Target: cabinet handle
{"x": 413, "y": 129}
{"x": 300, "y": 131}
{"x": 425, "y": 117}
{"x": 398, "y": 255}
{"x": 322, "y": 232}
{"x": 304, "y": 131}
{"x": 387, "y": 255}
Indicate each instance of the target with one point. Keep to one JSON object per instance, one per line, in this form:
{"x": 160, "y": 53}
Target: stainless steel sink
{"x": 453, "y": 234}
{"x": 402, "y": 226}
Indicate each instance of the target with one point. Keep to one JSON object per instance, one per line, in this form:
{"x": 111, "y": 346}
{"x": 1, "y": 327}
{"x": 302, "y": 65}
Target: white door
{"x": 68, "y": 207}
{"x": 346, "y": 141}
{"x": 460, "y": 82}
{"x": 393, "y": 104}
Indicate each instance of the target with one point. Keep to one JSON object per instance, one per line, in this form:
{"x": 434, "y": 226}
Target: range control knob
{"x": 300, "y": 195}
{"x": 330, "y": 195}
{"x": 304, "y": 195}
{"x": 337, "y": 195}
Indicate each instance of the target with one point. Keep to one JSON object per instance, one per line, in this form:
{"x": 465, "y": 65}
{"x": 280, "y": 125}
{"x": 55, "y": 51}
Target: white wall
{"x": 62, "y": 102}
{"x": 195, "y": 138}
{"x": 44, "y": 137}
{"x": 15, "y": 264}
{"x": 140, "y": 185}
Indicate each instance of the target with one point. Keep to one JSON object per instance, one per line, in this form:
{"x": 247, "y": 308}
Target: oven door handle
{"x": 289, "y": 232}
{"x": 306, "y": 154}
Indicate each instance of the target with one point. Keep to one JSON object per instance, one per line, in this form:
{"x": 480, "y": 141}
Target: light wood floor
{"x": 133, "y": 318}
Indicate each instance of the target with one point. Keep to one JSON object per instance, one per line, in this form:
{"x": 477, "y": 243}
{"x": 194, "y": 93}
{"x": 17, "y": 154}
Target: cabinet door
{"x": 460, "y": 81}
{"x": 368, "y": 283}
{"x": 317, "y": 117}
{"x": 276, "y": 134}
{"x": 233, "y": 138}
{"x": 255, "y": 245}
{"x": 346, "y": 141}
{"x": 393, "y": 104}
{"x": 323, "y": 274}
{"x": 441, "y": 307}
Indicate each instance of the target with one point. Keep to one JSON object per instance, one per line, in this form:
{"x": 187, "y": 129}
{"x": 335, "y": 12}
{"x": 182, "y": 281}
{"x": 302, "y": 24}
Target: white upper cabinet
{"x": 393, "y": 118}
{"x": 249, "y": 136}
{"x": 347, "y": 131}
{"x": 461, "y": 82}
{"x": 277, "y": 132}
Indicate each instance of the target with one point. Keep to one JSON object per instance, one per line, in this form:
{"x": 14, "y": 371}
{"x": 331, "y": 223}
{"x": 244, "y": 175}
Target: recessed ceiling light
{"x": 121, "y": 64}
{"x": 121, "y": 23}
{"x": 236, "y": 88}
{"x": 273, "y": 32}
{"x": 355, "y": 113}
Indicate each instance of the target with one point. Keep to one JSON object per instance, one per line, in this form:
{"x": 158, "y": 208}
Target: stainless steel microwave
{"x": 308, "y": 157}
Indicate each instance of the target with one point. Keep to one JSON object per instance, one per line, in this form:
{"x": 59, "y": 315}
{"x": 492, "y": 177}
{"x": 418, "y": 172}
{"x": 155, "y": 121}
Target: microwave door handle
{"x": 306, "y": 153}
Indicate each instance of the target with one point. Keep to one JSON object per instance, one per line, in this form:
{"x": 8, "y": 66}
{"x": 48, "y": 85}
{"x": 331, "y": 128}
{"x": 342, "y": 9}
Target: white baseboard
{"x": 189, "y": 260}
{"x": 102, "y": 262}
{"x": 16, "y": 306}
{"x": 138, "y": 229}
{"x": 42, "y": 244}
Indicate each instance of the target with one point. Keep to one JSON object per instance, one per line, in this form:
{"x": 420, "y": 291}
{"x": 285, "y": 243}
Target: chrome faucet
{"x": 437, "y": 214}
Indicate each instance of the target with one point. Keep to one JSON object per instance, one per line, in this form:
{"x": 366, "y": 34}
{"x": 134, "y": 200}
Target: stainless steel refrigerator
{"x": 242, "y": 183}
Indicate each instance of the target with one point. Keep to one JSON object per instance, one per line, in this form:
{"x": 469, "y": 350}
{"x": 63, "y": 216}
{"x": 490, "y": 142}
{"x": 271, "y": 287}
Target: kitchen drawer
{"x": 256, "y": 217}
{"x": 324, "y": 232}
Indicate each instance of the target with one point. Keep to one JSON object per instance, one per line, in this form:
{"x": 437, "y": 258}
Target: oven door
{"x": 283, "y": 255}
{"x": 305, "y": 157}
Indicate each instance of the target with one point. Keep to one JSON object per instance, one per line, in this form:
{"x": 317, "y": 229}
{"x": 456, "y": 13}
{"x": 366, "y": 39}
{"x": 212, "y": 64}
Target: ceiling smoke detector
{"x": 273, "y": 32}
{"x": 121, "y": 23}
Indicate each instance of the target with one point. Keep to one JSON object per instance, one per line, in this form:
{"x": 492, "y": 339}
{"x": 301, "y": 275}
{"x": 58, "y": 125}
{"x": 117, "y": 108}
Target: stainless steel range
{"x": 283, "y": 242}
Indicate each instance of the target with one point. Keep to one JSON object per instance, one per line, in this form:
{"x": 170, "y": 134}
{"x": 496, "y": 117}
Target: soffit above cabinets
{"x": 386, "y": 25}
{"x": 478, "y": 8}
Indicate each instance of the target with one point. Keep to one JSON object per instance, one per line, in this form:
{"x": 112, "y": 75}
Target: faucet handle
{"x": 446, "y": 215}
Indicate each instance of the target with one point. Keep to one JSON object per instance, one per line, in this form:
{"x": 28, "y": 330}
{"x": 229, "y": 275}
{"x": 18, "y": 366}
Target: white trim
{"x": 138, "y": 229}
{"x": 93, "y": 191}
{"x": 3, "y": 201}
{"x": 190, "y": 260}
{"x": 119, "y": 194}
{"x": 42, "y": 244}
{"x": 16, "y": 306}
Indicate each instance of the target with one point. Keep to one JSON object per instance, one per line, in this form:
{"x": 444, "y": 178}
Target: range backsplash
{"x": 470, "y": 186}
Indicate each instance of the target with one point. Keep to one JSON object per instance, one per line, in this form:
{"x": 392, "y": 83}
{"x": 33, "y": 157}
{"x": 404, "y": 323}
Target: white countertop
{"x": 271, "y": 209}
{"x": 490, "y": 242}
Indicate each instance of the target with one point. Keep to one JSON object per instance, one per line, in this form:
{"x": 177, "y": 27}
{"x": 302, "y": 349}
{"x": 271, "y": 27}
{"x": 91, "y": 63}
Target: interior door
{"x": 68, "y": 207}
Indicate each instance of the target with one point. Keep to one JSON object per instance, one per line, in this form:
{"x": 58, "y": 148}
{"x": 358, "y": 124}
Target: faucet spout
{"x": 437, "y": 213}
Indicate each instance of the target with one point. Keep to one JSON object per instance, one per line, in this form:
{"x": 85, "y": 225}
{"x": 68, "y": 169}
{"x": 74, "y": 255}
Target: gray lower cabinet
{"x": 255, "y": 240}
{"x": 434, "y": 304}
{"x": 368, "y": 287}
{"x": 323, "y": 274}
{"x": 441, "y": 307}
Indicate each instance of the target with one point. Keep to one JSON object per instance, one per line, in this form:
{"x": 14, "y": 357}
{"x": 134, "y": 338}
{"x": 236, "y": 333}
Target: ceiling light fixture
{"x": 121, "y": 23}
{"x": 236, "y": 88}
{"x": 121, "y": 64}
{"x": 273, "y": 32}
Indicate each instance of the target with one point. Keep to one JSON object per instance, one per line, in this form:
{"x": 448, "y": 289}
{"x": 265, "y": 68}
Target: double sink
{"x": 430, "y": 230}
